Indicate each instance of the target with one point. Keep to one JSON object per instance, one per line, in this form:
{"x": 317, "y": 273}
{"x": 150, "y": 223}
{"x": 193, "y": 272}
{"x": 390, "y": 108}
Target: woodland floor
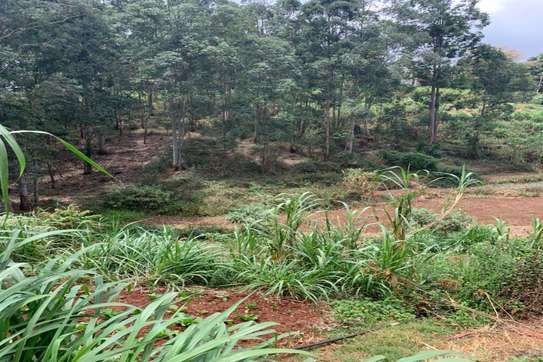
{"x": 500, "y": 198}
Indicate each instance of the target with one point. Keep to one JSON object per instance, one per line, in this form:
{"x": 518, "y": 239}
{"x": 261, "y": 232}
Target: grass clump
{"x": 156, "y": 257}
{"x": 54, "y": 314}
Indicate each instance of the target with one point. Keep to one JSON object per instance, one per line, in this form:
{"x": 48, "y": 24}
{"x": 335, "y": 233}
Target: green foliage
{"x": 155, "y": 257}
{"x": 248, "y": 214}
{"x": 369, "y": 312}
{"x": 412, "y": 160}
{"x": 524, "y": 290}
{"x": 54, "y": 315}
{"x": 422, "y": 217}
{"x": 360, "y": 182}
{"x": 70, "y": 217}
{"x": 138, "y": 197}
{"x": 453, "y": 222}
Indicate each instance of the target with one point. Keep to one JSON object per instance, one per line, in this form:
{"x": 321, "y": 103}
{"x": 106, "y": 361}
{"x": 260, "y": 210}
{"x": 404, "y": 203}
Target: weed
{"x": 368, "y": 312}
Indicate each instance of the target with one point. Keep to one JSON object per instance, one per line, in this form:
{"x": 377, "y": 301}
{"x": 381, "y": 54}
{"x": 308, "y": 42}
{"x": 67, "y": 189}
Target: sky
{"x": 515, "y": 25}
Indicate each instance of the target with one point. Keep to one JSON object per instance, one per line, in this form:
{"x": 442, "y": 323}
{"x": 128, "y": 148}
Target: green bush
{"x": 138, "y": 197}
{"x": 524, "y": 290}
{"x": 414, "y": 160}
{"x": 479, "y": 234}
{"x": 487, "y": 270}
{"x": 454, "y": 222}
{"x": 369, "y": 312}
{"x": 360, "y": 182}
{"x": 248, "y": 214}
{"x": 422, "y": 216}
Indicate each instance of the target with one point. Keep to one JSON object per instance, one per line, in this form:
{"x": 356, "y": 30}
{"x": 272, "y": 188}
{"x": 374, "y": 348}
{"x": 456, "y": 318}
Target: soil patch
{"x": 306, "y": 321}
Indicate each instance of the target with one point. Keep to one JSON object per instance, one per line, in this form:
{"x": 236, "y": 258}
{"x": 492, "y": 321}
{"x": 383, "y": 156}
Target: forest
{"x": 216, "y": 180}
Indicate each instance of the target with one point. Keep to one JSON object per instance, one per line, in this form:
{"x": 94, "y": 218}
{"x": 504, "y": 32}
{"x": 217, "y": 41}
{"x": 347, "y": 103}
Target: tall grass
{"x": 156, "y": 257}
{"x": 58, "y": 314}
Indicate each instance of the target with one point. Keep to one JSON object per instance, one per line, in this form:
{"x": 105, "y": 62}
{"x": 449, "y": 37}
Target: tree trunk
{"x": 327, "y": 125}
{"x": 87, "y": 168}
{"x": 25, "y": 203}
{"x": 178, "y": 135}
{"x": 51, "y": 173}
{"x": 434, "y": 105}
{"x": 148, "y": 117}
{"x": 119, "y": 122}
{"x": 35, "y": 193}
{"x": 350, "y": 140}
{"x": 257, "y": 116}
{"x": 101, "y": 143}
{"x": 540, "y": 84}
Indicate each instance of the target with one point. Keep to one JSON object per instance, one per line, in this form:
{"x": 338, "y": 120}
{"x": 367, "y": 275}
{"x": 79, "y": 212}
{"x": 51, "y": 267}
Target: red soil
{"x": 307, "y": 321}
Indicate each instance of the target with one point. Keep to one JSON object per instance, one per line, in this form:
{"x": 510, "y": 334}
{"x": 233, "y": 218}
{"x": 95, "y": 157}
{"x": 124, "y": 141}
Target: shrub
{"x": 360, "y": 182}
{"x": 414, "y": 160}
{"x": 138, "y": 197}
{"x": 422, "y": 217}
{"x": 525, "y": 288}
{"x": 455, "y": 221}
{"x": 306, "y": 167}
{"x": 479, "y": 234}
{"x": 486, "y": 271}
{"x": 70, "y": 217}
{"x": 249, "y": 214}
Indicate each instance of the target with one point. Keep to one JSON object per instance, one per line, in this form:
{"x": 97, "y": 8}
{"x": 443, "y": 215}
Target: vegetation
{"x": 251, "y": 158}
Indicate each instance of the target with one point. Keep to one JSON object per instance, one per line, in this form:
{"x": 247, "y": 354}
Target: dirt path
{"x": 517, "y": 212}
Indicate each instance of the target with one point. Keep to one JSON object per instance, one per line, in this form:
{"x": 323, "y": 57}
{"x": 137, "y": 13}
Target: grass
{"x": 55, "y": 314}
{"x": 393, "y": 341}
{"x": 155, "y": 257}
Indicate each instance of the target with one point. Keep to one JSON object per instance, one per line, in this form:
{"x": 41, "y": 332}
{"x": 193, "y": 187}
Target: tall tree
{"x": 443, "y": 31}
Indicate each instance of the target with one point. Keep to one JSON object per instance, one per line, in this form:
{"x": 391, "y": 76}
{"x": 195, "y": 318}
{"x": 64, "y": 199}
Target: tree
{"x": 536, "y": 69}
{"x": 493, "y": 78}
{"x": 443, "y": 31}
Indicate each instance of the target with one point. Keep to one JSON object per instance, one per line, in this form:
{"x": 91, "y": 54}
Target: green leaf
{"x": 379, "y": 358}
{"x": 19, "y": 154}
{"x": 72, "y": 149}
{"x": 423, "y": 356}
{"x": 4, "y": 175}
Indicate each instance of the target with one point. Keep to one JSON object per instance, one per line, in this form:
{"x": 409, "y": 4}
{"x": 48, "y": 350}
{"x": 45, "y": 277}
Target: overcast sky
{"x": 515, "y": 25}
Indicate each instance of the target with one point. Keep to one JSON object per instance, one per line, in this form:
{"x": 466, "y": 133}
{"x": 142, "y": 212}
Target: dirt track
{"x": 517, "y": 212}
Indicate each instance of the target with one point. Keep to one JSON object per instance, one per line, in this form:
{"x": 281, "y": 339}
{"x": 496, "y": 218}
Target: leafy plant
{"x": 55, "y": 316}
{"x": 138, "y": 197}
{"x": 369, "y": 312}
{"x": 157, "y": 257}
{"x": 412, "y": 160}
{"x": 361, "y": 182}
